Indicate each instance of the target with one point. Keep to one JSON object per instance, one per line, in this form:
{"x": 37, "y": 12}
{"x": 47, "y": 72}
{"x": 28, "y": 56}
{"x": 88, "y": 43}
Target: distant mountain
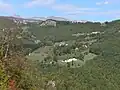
{"x": 36, "y": 19}
{"x": 39, "y": 18}
{"x": 6, "y": 21}
{"x": 58, "y": 18}
{"x": 18, "y": 19}
{"x": 51, "y": 17}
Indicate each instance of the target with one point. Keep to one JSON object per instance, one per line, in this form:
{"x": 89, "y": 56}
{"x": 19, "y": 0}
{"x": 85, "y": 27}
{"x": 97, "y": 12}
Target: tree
{"x": 68, "y": 64}
{"x": 12, "y": 54}
{"x": 79, "y": 56}
{"x": 55, "y": 58}
{"x": 47, "y": 58}
{"x": 72, "y": 63}
{"x": 106, "y": 22}
{"x": 3, "y": 78}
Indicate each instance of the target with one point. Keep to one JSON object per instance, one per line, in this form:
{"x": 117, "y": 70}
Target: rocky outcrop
{"x": 49, "y": 23}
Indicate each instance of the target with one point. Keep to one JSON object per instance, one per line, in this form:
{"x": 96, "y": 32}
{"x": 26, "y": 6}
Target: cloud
{"x": 5, "y": 7}
{"x": 70, "y": 8}
{"x": 106, "y": 2}
{"x": 52, "y": 4}
{"x": 108, "y": 13}
{"x": 39, "y": 3}
{"x": 102, "y": 3}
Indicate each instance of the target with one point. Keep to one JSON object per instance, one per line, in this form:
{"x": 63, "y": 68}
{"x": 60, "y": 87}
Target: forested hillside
{"x": 68, "y": 56}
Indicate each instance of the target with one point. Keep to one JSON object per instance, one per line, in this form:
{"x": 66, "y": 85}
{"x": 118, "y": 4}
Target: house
{"x": 96, "y": 32}
{"x": 70, "y": 60}
{"x": 61, "y": 44}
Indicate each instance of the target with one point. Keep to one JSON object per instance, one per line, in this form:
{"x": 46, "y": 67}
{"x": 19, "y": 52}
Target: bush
{"x": 3, "y": 78}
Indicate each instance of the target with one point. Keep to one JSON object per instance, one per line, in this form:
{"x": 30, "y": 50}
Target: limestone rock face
{"x": 49, "y": 23}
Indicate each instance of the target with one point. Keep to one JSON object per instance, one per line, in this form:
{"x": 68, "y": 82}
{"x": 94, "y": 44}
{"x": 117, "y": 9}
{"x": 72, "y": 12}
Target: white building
{"x": 70, "y": 60}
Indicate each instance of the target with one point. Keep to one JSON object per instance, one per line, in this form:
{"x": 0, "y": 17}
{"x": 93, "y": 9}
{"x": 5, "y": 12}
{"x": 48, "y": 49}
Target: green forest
{"x": 70, "y": 56}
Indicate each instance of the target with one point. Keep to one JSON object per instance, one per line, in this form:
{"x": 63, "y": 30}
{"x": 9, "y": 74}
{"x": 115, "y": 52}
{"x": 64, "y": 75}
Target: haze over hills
{"x": 51, "y": 17}
{"x": 18, "y": 17}
{"x": 38, "y": 18}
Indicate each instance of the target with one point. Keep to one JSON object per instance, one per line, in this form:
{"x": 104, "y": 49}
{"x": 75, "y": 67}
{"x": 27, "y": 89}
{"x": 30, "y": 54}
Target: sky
{"x": 95, "y": 10}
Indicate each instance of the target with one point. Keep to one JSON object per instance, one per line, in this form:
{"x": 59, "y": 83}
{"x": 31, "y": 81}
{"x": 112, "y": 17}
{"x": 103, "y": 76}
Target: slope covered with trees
{"x": 18, "y": 72}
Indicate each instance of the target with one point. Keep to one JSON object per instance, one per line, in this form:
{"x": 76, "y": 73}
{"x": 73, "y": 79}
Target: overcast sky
{"x": 99, "y": 10}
